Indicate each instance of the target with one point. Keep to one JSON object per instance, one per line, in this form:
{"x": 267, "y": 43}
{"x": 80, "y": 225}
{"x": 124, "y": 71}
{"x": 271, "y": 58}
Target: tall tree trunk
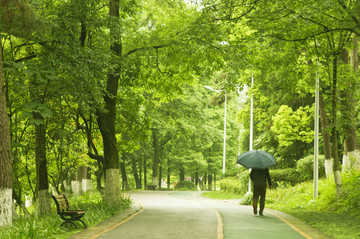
{"x": 145, "y": 172}
{"x": 325, "y": 131}
{"x": 337, "y": 173}
{"x": 168, "y": 174}
{"x": 135, "y": 172}
{"x": 182, "y": 174}
{"x": 160, "y": 176}
{"x": 124, "y": 175}
{"x": 106, "y": 119}
{"x": 5, "y": 155}
{"x": 351, "y": 157}
{"x": 43, "y": 206}
{"x": 210, "y": 179}
{"x": 156, "y": 158}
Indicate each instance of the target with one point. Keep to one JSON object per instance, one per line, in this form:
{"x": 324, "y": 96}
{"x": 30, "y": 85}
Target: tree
{"x": 5, "y": 154}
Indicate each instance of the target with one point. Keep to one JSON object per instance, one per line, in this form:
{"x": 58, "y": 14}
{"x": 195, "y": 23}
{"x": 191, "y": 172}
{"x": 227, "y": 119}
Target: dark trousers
{"x": 259, "y": 191}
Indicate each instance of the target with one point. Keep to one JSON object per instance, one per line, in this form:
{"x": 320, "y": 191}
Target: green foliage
{"x": 49, "y": 226}
{"x": 289, "y": 176}
{"x": 305, "y": 167}
{"x": 290, "y": 126}
{"x": 331, "y": 214}
{"x": 221, "y": 195}
{"x": 236, "y": 185}
{"x": 247, "y": 199}
{"x": 185, "y": 186}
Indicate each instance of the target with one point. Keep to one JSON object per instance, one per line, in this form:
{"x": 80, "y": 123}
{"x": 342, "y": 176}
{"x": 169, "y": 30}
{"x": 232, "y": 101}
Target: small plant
{"x": 49, "y": 226}
{"x": 185, "y": 186}
{"x": 247, "y": 199}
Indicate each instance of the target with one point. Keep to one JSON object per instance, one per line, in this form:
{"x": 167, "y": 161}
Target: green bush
{"x": 349, "y": 202}
{"x": 305, "y": 167}
{"x": 236, "y": 185}
{"x": 185, "y": 186}
{"x": 288, "y": 176}
{"x": 247, "y": 199}
{"x": 49, "y": 226}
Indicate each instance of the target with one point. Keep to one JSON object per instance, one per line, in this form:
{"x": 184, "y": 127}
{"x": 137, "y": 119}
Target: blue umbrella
{"x": 256, "y": 159}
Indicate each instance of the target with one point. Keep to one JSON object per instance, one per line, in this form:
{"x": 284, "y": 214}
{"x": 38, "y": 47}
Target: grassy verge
{"x": 49, "y": 226}
{"x": 338, "y": 217}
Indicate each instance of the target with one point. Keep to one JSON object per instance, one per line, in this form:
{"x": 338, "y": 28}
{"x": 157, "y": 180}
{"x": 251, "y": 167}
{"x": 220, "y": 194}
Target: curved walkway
{"x": 159, "y": 214}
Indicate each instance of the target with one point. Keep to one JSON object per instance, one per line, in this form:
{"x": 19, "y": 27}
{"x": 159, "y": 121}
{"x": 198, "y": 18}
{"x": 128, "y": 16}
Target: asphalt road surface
{"x": 188, "y": 215}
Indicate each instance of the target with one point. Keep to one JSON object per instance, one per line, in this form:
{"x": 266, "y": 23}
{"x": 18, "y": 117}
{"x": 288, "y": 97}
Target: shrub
{"x": 49, "y": 226}
{"x": 185, "y": 186}
{"x": 285, "y": 177}
{"x": 305, "y": 167}
{"x": 349, "y": 202}
{"x": 247, "y": 199}
{"x": 236, "y": 185}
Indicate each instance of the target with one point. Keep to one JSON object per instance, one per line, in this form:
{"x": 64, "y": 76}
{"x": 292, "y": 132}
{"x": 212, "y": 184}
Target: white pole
{"x": 251, "y": 115}
{"x": 316, "y": 139}
{"x": 251, "y": 124}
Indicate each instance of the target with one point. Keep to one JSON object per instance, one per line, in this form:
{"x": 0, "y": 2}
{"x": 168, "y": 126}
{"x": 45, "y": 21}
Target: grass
{"x": 49, "y": 226}
{"x": 221, "y": 195}
{"x": 338, "y": 217}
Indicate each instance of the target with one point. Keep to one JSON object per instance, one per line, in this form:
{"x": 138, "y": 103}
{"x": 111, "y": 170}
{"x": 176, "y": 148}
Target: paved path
{"x": 188, "y": 215}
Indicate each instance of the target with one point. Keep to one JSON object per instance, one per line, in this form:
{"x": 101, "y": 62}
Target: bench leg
{"x": 70, "y": 223}
{"x": 82, "y": 223}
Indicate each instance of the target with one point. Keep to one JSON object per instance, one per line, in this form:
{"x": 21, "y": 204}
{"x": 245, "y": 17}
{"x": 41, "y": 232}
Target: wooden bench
{"x": 69, "y": 216}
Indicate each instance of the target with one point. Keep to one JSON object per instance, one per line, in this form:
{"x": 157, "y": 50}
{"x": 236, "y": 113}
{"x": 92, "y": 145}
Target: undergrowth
{"x": 49, "y": 226}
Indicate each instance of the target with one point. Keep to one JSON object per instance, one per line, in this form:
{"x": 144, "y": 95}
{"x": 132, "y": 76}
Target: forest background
{"x": 115, "y": 89}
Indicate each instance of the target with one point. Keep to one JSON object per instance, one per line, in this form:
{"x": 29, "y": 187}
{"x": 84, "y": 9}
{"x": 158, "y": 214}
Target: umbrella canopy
{"x": 256, "y": 159}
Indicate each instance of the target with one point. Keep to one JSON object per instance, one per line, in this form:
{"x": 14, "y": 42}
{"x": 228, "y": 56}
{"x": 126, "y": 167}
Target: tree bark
{"x": 210, "y": 179}
{"x": 135, "y": 172}
{"x": 5, "y": 155}
{"x": 124, "y": 176}
{"x": 168, "y": 174}
{"x": 156, "y": 158}
{"x": 351, "y": 155}
{"x": 106, "y": 119}
{"x": 325, "y": 131}
{"x": 182, "y": 174}
{"x": 43, "y": 206}
{"x": 337, "y": 173}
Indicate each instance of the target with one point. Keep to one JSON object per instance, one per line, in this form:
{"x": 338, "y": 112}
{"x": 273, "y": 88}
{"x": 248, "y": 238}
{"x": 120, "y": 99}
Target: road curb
{"x": 94, "y": 231}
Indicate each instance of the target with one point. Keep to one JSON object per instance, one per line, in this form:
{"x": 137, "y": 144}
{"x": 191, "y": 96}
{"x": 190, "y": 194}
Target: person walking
{"x": 259, "y": 178}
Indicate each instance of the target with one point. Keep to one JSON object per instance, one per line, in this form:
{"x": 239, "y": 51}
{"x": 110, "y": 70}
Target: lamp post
{"x": 224, "y": 151}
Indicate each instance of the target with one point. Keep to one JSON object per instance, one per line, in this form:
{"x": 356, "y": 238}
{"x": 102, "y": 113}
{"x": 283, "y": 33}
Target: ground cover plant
{"x": 49, "y": 226}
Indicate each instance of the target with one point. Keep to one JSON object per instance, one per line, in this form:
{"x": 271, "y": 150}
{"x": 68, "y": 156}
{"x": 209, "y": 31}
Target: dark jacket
{"x": 259, "y": 176}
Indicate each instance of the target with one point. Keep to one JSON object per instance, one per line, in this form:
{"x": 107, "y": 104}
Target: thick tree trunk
{"x": 210, "y": 179}
{"x": 337, "y": 173}
{"x": 135, "y": 172}
{"x": 43, "y": 206}
{"x": 351, "y": 157}
{"x": 124, "y": 176}
{"x": 156, "y": 158}
{"x": 182, "y": 174}
{"x": 5, "y": 155}
{"x": 325, "y": 131}
{"x": 106, "y": 120}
